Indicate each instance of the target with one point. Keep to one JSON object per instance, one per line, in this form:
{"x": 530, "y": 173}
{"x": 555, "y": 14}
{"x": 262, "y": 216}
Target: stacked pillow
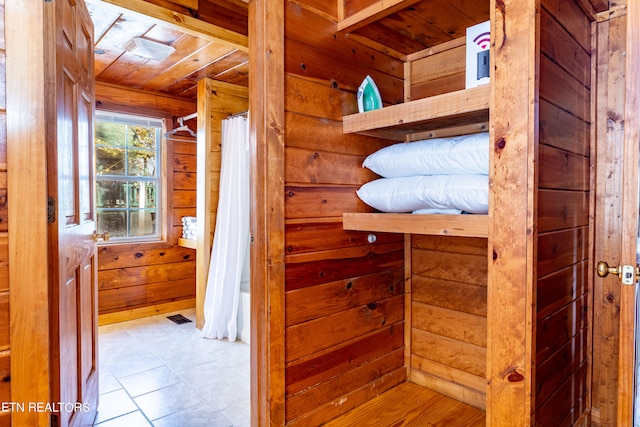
{"x": 442, "y": 175}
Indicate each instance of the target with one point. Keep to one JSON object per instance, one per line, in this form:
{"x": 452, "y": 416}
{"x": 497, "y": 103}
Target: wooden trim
{"x": 184, "y": 23}
{"x": 593, "y": 153}
{"x": 138, "y": 313}
{"x": 28, "y": 228}
{"x": 442, "y": 225}
{"x": 266, "y": 121}
{"x": 626, "y": 364}
{"x": 374, "y": 12}
{"x": 454, "y": 390}
{"x": 408, "y": 299}
{"x": 187, "y": 243}
{"x": 203, "y": 196}
{"x": 511, "y": 257}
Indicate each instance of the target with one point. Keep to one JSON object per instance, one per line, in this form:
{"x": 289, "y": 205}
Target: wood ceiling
{"x": 197, "y": 55}
{"x": 402, "y": 27}
{"x": 211, "y": 37}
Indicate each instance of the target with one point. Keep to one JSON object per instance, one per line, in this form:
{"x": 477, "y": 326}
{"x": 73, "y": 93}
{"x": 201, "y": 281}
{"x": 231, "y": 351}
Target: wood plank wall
{"x": 448, "y": 274}
{"x": 149, "y": 275}
{"x": 449, "y": 316}
{"x": 5, "y": 348}
{"x": 562, "y": 330}
{"x": 344, "y": 296}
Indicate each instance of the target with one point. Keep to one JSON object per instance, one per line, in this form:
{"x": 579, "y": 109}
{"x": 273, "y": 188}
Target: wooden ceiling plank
{"x": 478, "y": 11}
{"x": 139, "y": 76}
{"x": 102, "y": 22}
{"x": 216, "y": 68}
{"x": 393, "y": 40}
{"x": 191, "y": 4}
{"x": 442, "y": 15}
{"x": 186, "y": 66}
{"x": 111, "y": 47}
{"x": 377, "y": 10}
{"x": 182, "y": 22}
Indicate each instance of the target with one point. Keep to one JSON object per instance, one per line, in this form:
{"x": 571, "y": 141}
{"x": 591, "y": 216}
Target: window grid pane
{"x": 127, "y": 181}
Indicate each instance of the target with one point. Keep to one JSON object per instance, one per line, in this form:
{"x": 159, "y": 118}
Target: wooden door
{"x": 72, "y": 250}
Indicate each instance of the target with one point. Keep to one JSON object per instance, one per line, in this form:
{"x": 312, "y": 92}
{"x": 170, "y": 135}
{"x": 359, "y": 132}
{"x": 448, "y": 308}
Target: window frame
{"x": 161, "y": 180}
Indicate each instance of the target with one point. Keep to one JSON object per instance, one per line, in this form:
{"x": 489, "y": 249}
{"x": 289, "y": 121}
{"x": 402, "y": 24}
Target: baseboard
{"x": 137, "y": 313}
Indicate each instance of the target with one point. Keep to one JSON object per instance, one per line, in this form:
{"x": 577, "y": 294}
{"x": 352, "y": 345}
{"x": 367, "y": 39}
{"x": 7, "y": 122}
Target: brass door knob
{"x": 104, "y": 236}
{"x": 604, "y": 270}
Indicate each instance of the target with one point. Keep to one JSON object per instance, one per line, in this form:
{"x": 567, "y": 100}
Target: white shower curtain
{"x": 231, "y": 236}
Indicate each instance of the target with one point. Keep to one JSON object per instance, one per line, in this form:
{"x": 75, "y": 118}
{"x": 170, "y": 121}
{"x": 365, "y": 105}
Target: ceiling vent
{"x": 148, "y": 49}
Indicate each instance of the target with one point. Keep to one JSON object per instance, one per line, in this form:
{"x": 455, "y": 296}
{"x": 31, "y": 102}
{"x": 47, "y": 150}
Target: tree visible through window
{"x": 127, "y": 153}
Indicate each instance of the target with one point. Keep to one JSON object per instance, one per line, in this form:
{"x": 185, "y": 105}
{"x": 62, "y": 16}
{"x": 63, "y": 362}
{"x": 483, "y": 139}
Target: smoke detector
{"x": 148, "y": 49}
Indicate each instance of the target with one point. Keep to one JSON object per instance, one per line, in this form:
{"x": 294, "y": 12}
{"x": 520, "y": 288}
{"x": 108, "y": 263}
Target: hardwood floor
{"x": 412, "y": 405}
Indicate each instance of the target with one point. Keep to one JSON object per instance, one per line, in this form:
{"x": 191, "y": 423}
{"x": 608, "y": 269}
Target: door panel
{"x": 73, "y": 250}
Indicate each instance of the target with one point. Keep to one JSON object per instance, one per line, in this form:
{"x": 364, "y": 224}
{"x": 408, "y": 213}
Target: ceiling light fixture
{"x": 148, "y": 49}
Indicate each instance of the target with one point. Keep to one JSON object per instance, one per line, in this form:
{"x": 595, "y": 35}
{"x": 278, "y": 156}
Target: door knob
{"x": 104, "y": 236}
{"x": 604, "y": 270}
{"x": 628, "y": 273}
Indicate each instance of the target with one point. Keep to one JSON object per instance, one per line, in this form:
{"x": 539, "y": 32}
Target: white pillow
{"x": 466, "y": 154}
{"x": 468, "y": 193}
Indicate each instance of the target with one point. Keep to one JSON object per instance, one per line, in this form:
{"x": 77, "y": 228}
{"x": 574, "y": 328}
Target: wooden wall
{"x": 449, "y": 316}
{"x": 146, "y": 278}
{"x": 344, "y": 303}
{"x": 5, "y": 349}
{"x": 561, "y": 330}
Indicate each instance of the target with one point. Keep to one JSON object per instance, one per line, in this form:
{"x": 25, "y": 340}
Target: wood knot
{"x": 500, "y": 144}
{"x": 515, "y": 377}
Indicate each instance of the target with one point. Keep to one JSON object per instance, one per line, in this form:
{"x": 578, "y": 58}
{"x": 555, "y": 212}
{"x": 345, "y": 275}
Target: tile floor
{"x": 154, "y": 372}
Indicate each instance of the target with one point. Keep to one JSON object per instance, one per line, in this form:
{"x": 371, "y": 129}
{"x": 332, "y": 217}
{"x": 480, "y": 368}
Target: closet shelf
{"x": 442, "y": 225}
{"x": 459, "y": 109}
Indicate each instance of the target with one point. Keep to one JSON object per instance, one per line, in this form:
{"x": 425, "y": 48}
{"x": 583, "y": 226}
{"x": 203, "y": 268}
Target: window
{"x": 128, "y": 176}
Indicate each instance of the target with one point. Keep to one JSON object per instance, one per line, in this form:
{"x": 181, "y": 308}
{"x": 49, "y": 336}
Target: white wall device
{"x": 478, "y": 43}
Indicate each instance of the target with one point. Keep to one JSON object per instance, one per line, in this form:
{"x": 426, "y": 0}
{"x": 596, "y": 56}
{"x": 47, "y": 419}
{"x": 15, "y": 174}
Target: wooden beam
{"x": 203, "y": 197}
{"x": 374, "y": 12}
{"x": 266, "y": 123}
{"x": 512, "y": 212}
{"x": 182, "y": 22}
{"x": 126, "y": 99}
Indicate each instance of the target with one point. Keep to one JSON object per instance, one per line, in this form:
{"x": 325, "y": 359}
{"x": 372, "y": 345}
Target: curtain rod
{"x": 189, "y": 117}
{"x": 241, "y": 113}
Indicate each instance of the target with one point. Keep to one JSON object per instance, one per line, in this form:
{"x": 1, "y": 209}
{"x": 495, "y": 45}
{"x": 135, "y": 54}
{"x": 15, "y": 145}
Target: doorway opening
{"x": 155, "y": 280}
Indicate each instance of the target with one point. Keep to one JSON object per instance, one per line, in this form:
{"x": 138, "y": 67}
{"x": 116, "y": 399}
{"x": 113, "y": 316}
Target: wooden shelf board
{"x": 442, "y": 225}
{"x": 187, "y": 243}
{"x": 454, "y": 109}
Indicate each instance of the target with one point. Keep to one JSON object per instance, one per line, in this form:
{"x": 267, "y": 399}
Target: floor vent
{"x": 178, "y": 319}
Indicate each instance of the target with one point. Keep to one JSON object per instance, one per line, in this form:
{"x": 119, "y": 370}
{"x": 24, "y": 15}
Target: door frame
{"x": 28, "y": 227}
{"x": 26, "y": 110}
{"x": 628, "y": 294}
